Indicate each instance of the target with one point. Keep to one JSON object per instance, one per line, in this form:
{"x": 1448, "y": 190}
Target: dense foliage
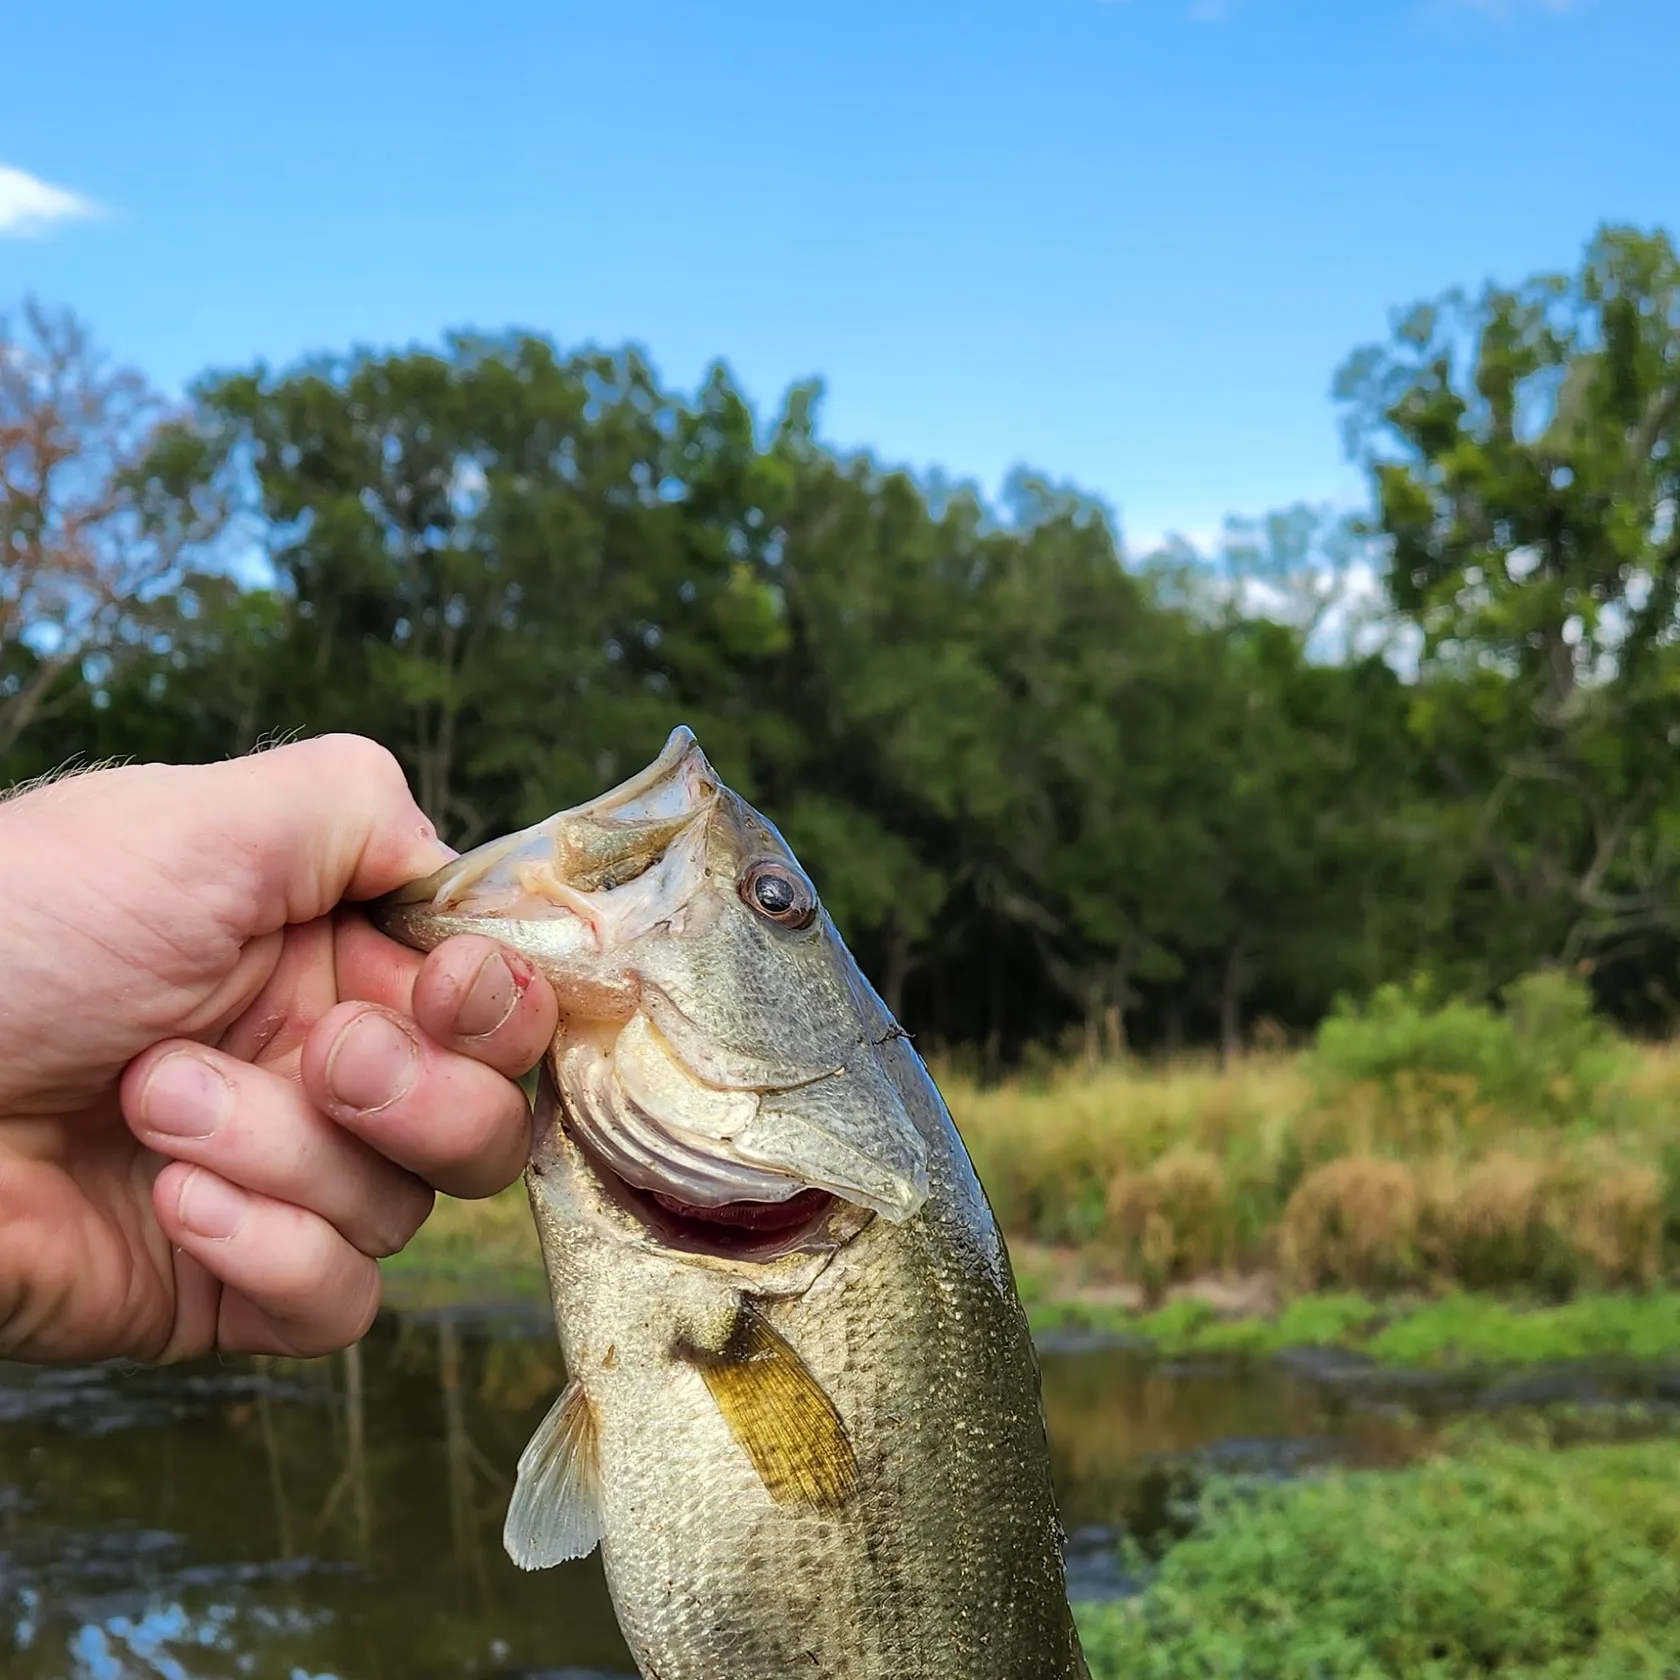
{"x": 1049, "y": 790}
{"x": 1511, "y": 1561}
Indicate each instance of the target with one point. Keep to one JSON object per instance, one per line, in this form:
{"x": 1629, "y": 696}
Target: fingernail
{"x": 210, "y": 1206}
{"x": 185, "y": 1097}
{"x": 490, "y": 999}
{"x": 373, "y": 1063}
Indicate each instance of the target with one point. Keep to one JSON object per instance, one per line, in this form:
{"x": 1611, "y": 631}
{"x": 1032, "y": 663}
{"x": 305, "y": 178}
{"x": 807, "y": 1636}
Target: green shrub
{"x": 1517, "y": 1562}
{"x": 1545, "y": 1056}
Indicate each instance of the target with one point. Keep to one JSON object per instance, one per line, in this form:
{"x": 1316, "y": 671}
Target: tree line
{"x": 1052, "y": 792}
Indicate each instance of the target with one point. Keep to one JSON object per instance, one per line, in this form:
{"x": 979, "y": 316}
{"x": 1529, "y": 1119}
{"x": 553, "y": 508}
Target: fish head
{"x": 718, "y": 1079}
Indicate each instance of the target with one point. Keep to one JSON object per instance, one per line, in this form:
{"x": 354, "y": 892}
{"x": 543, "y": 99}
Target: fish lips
{"x": 847, "y": 1134}
{"x": 547, "y": 873}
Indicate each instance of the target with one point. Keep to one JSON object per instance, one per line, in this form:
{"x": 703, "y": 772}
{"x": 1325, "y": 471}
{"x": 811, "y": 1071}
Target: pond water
{"x": 341, "y": 1519}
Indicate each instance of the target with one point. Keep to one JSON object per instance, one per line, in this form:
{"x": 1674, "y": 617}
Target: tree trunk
{"x": 1093, "y": 1026}
{"x": 1175, "y": 1028}
{"x": 1231, "y": 991}
{"x": 1114, "y": 1033}
{"x": 898, "y": 968}
{"x": 993, "y": 1055}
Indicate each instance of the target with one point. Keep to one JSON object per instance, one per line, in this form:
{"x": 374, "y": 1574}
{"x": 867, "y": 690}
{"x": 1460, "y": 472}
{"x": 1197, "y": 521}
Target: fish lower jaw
{"x": 750, "y": 1219}
{"x": 741, "y": 1230}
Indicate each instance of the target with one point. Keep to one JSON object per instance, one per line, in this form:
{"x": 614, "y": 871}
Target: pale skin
{"x": 222, "y": 1095}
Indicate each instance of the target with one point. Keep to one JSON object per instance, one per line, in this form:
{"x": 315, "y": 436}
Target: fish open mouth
{"x": 701, "y": 1166}
{"x": 738, "y": 1230}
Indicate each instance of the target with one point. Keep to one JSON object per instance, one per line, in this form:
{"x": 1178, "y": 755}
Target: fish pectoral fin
{"x": 779, "y": 1414}
{"x": 555, "y": 1512}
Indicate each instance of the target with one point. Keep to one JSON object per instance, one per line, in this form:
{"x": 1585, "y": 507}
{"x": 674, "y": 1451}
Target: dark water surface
{"x": 341, "y": 1519}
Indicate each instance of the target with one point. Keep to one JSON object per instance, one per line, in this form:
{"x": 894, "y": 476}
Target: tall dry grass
{"x": 1162, "y": 1174}
{"x": 1411, "y": 1147}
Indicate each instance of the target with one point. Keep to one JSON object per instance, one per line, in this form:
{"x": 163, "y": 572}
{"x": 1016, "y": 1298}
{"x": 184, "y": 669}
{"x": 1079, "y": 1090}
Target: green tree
{"x": 1525, "y": 450}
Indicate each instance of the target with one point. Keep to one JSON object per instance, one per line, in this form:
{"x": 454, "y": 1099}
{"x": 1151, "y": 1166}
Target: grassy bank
{"x": 1512, "y": 1561}
{"x": 1455, "y": 1330}
{"x": 1411, "y": 1147}
{"x": 1386, "y": 1189}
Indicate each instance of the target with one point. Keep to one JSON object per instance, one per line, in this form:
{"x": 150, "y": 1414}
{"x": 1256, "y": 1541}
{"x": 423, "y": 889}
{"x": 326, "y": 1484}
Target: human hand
{"x": 221, "y": 1096}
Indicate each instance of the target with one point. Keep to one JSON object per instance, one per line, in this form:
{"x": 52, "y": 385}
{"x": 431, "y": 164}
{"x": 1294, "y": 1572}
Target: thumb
{"x": 307, "y": 825}
{"x": 146, "y": 902}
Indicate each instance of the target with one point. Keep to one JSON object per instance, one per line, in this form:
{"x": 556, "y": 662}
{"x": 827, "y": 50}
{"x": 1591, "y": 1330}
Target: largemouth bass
{"x": 803, "y": 1418}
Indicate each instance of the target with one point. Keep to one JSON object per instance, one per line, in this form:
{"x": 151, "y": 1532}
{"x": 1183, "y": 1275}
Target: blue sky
{"x": 1125, "y": 241}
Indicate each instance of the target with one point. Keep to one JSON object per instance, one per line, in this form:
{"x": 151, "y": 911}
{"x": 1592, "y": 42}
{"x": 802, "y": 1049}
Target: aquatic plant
{"x": 1513, "y": 1561}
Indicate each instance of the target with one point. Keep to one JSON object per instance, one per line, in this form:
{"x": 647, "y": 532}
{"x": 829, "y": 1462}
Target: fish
{"x": 802, "y": 1420}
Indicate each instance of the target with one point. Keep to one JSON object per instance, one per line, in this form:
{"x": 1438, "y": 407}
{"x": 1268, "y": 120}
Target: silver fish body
{"x": 804, "y": 1421}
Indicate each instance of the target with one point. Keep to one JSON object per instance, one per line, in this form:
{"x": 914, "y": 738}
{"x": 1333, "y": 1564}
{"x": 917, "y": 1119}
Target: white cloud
{"x": 29, "y": 205}
{"x": 1139, "y": 545}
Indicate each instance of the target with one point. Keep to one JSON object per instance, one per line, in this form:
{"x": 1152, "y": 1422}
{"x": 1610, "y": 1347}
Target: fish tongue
{"x": 751, "y": 1216}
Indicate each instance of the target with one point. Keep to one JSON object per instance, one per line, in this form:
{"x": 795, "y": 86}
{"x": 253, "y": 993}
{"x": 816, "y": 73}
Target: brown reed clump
{"x": 1352, "y": 1223}
{"x": 1484, "y": 1225}
{"x": 1605, "y": 1217}
{"x": 1503, "y": 1192}
{"x": 1172, "y": 1221}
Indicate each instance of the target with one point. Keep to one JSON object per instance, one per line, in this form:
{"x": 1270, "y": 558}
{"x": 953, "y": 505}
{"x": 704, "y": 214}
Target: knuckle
{"x": 362, "y": 757}
{"x": 409, "y": 1211}
{"x": 372, "y": 772}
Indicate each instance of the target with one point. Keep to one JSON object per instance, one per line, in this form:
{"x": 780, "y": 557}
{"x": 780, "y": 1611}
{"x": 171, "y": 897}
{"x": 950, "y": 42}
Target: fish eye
{"x": 775, "y": 891}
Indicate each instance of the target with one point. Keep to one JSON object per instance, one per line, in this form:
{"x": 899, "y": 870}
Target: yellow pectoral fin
{"x": 779, "y": 1414}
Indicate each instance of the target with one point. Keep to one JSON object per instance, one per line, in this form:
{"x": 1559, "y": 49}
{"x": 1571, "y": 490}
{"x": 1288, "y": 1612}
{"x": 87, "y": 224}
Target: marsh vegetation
{"x": 1417, "y": 1163}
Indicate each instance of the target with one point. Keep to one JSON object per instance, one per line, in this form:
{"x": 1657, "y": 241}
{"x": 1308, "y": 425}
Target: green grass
{"x": 1457, "y": 1330}
{"x": 1515, "y": 1562}
{"x": 1472, "y": 1327}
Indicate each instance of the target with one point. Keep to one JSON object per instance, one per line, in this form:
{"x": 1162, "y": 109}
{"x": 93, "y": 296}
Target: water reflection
{"x": 341, "y": 1519}
{"x": 281, "y": 1518}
